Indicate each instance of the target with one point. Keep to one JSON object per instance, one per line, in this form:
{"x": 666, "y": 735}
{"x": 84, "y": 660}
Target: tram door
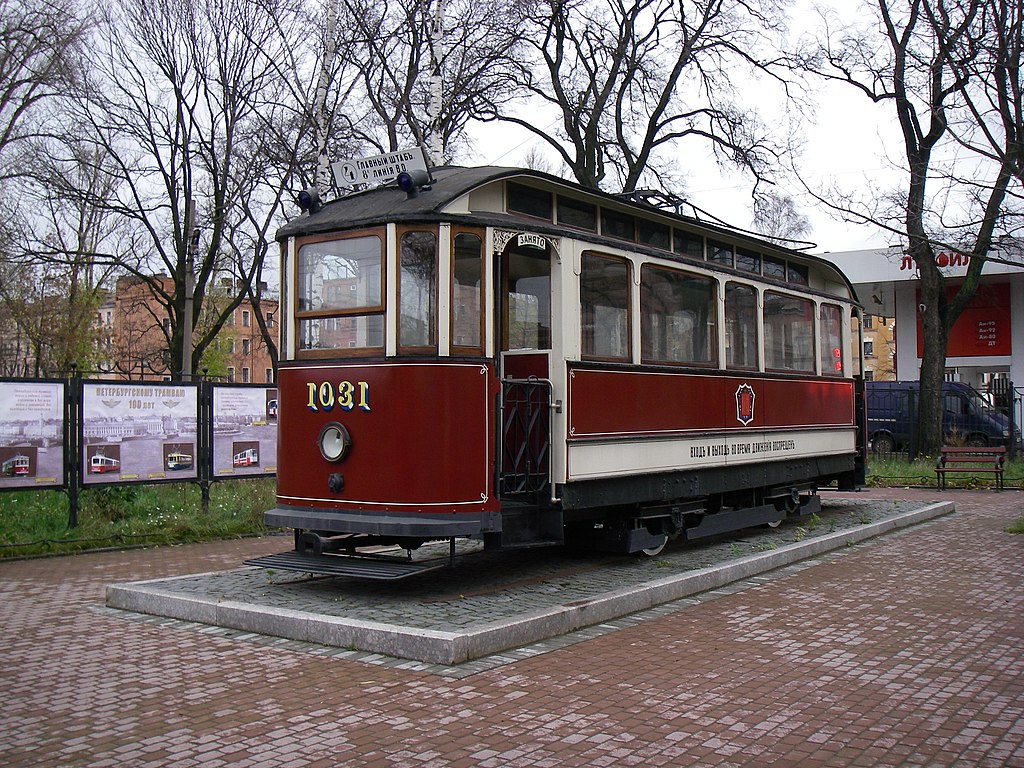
{"x": 524, "y": 335}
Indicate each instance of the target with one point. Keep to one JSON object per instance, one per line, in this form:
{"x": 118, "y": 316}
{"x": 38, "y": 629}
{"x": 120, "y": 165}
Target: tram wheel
{"x": 656, "y": 549}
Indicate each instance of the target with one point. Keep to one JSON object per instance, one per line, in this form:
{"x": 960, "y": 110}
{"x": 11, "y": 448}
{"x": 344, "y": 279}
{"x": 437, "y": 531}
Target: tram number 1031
{"x": 345, "y": 395}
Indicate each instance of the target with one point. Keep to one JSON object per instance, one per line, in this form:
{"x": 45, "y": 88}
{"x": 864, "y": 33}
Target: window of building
{"x": 529, "y": 201}
{"x": 245, "y": 318}
{"x": 270, "y": 319}
{"x": 231, "y": 374}
{"x": 868, "y": 322}
{"x": 246, "y": 346}
{"x": 869, "y": 349}
{"x": 231, "y": 346}
{"x": 269, "y": 378}
{"x": 341, "y": 277}
{"x": 788, "y": 333}
{"x": 576, "y": 213}
{"x": 245, "y": 375}
{"x": 467, "y": 296}
{"x": 417, "y": 292}
{"x": 831, "y": 346}
{"x": 604, "y": 302}
{"x": 677, "y": 317}
{"x": 740, "y": 326}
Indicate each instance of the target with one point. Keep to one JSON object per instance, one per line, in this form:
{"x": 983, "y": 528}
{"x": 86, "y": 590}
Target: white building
{"x": 987, "y": 340}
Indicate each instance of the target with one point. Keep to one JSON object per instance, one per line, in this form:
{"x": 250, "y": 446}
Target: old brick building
{"x": 135, "y": 327}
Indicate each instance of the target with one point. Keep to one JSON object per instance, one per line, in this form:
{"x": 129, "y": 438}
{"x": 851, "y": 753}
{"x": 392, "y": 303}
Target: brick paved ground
{"x": 904, "y": 651}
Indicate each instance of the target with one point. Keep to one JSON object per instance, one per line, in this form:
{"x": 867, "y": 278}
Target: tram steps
{"x": 361, "y": 567}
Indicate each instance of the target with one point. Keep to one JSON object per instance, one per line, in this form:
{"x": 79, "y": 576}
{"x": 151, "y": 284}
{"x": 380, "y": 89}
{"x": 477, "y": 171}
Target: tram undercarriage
{"x": 350, "y": 544}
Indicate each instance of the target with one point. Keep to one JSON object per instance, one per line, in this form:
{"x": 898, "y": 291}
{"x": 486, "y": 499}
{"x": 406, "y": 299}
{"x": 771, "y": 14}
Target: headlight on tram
{"x": 334, "y": 441}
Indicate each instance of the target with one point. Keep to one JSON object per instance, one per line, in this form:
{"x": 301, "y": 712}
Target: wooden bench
{"x": 973, "y": 460}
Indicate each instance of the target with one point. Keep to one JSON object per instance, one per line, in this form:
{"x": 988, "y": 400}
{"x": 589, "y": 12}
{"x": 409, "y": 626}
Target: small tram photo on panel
{"x": 103, "y": 459}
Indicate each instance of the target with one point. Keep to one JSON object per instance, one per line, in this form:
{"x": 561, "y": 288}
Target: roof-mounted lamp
{"x": 308, "y": 200}
{"x": 411, "y": 182}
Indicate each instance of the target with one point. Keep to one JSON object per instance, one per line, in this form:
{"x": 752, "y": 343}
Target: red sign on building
{"x": 983, "y": 328}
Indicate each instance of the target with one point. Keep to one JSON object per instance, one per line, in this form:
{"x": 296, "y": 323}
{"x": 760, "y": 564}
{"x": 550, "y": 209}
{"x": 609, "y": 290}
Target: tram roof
{"x": 389, "y": 204}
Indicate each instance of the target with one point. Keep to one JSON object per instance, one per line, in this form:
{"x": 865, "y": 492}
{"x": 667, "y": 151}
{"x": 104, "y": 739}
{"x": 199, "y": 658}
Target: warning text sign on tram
{"x": 379, "y": 169}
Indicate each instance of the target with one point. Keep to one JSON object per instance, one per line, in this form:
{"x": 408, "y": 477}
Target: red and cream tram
{"x": 508, "y": 356}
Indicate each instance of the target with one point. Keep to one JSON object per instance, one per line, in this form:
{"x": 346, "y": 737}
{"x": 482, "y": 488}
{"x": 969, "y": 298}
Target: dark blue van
{"x": 967, "y": 418}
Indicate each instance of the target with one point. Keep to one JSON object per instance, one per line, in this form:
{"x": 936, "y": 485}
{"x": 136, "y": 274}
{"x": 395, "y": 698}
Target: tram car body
{"x": 507, "y": 356}
{"x": 101, "y": 465}
{"x": 176, "y": 461}
{"x": 16, "y": 466}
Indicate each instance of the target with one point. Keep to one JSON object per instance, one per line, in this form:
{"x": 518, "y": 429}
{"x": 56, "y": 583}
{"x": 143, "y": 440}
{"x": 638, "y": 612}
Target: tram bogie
{"x": 512, "y": 358}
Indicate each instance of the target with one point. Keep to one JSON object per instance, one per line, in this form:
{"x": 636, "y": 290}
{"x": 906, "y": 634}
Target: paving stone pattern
{"x": 902, "y": 651}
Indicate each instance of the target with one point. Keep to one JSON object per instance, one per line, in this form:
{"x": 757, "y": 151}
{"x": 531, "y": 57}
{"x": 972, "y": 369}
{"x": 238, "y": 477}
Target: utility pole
{"x": 191, "y": 245}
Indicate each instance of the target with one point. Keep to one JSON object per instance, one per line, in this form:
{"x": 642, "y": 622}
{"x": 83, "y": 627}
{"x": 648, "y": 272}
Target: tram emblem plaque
{"x": 745, "y": 404}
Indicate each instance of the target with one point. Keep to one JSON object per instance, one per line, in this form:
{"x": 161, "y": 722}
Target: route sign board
{"x": 379, "y": 169}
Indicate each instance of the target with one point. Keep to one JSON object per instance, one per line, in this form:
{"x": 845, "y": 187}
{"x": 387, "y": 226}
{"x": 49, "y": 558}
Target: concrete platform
{"x": 492, "y": 602}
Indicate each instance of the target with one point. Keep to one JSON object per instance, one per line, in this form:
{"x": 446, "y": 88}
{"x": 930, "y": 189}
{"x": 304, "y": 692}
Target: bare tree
{"x": 39, "y": 54}
{"x": 178, "y": 99}
{"x": 424, "y": 74}
{"x": 778, "y": 218}
{"x": 629, "y": 80}
{"x": 950, "y": 73}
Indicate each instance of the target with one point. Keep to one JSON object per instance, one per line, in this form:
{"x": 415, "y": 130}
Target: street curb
{"x": 453, "y": 648}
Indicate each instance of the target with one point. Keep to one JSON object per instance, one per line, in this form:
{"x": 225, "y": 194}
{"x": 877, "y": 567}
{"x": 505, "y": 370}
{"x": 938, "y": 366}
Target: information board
{"x": 31, "y": 434}
{"x": 244, "y": 431}
{"x": 138, "y": 432}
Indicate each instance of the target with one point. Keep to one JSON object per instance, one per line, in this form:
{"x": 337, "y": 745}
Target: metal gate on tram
{"x": 525, "y": 437}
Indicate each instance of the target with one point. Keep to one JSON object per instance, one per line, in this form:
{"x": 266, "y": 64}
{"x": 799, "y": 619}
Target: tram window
{"x": 748, "y": 261}
{"x": 341, "y": 277}
{"x": 740, "y": 326}
{"x": 604, "y": 301}
{"x": 654, "y": 234}
{"x": 529, "y": 201}
{"x": 774, "y": 267}
{"x": 677, "y": 317}
{"x": 720, "y": 253}
{"x": 831, "y": 346}
{"x": 798, "y": 274}
{"x": 527, "y": 296}
{"x": 467, "y": 265}
{"x": 691, "y": 245}
{"x": 417, "y": 289}
{"x": 576, "y": 213}
{"x": 788, "y": 333}
{"x": 619, "y": 225}
{"x": 364, "y": 332}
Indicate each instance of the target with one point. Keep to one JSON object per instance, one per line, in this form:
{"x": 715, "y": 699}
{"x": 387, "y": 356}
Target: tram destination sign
{"x": 379, "y": 169}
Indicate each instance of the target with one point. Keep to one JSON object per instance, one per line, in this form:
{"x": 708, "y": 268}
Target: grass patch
{"x": 1017, "y": 526}
{"x": 896, "y": 471}
{"x": 36, "y": 522}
